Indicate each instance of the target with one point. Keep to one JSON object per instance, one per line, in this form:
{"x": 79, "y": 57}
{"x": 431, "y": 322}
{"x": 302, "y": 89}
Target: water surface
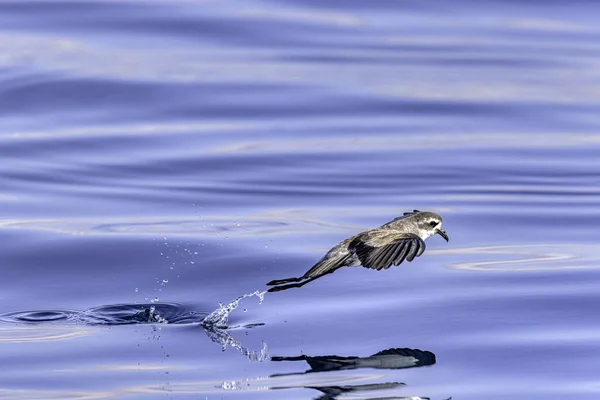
{"x": 157, "y": 159}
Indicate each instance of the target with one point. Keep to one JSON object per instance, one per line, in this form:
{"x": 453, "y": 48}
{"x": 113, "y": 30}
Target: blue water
{"x": 160, "y": 158}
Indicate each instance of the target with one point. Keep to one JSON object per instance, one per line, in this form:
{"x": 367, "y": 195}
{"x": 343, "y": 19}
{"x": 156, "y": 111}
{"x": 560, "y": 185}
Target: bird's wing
{"x": 386, "y": 249}
{"x": 327, "y": 265}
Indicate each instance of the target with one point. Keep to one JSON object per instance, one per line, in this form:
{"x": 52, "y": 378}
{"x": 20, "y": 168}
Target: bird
{"x": 401, "y": 239}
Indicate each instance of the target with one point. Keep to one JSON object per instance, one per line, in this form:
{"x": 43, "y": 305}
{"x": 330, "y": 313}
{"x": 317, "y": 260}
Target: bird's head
{"x": 430, "y": 223}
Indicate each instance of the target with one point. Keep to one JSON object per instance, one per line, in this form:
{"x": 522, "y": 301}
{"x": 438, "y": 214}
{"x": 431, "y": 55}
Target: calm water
{"x": 158, "y": 158}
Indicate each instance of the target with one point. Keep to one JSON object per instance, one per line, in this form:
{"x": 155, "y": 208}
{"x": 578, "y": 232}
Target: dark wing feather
{"x": 382, "y": 260}
{"x": 406, "y": 246}
{"x": 398, "y": 257}
{"x": 412, "y": 252}
{"x": 401, "y": 254}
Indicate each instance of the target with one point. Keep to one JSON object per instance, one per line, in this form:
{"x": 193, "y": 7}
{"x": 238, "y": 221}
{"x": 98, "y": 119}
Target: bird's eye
{"x": 433, "y": 223}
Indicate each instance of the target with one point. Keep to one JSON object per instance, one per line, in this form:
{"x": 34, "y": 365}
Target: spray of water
{"x": 219, "y": 318}
{"x": 225, "y": 339}
{"x": 153, "y": 316}
{"x": 216, "y": 323}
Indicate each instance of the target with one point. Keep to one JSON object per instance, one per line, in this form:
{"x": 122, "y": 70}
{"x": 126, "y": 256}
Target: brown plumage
{"x": 390, "y": 244}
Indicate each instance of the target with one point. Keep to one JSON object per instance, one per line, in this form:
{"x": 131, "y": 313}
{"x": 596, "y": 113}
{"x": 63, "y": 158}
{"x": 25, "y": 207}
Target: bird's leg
{"x": 290, "y": 286}
{"x": 302, "y": 283}
{"x": 280, "y": 281}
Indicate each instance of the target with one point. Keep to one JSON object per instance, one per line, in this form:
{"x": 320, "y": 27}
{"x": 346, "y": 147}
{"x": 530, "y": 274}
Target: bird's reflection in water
{"x": 387, "y": 359}
{"x": 332, "y": 392}
{"x": 223, "y": 337}
{"x": 398, "y": 358}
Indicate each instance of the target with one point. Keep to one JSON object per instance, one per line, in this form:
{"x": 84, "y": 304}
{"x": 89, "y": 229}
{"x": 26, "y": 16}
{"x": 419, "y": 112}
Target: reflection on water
{"x": 69, "y": 324}
{"x": 225, "y": 339}
{"x": 119, "y": 314}
{"x": 256, "y": 134}
{"x": 216, "y": 324}
{"x": 34, "y": 334}
{"x": 333, "y": 392}
{"x": 268, "y": 223}
{"x": 386, "y": 359}
{"x": 530, "y": 257}
{"x": 66, "y": 324}
{"x": 395, "y": 358}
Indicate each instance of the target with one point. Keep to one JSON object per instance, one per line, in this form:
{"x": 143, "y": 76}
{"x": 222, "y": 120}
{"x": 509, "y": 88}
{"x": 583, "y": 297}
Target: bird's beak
{"x": 442, "y": 233}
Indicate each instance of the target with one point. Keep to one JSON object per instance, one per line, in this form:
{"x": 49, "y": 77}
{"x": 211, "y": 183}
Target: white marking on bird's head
{"x": 429, "y": 224}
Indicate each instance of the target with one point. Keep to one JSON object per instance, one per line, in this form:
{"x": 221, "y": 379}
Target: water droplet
{"x": 220, "y": 317}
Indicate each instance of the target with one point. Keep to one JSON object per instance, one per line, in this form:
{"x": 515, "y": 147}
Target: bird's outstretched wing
{"x": 389, "y": 248}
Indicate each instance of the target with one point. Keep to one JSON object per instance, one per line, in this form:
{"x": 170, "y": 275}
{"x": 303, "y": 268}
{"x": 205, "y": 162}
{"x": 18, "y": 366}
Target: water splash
{"x": 216, "y": 323}
{"x": 220, "y": 317}
{"x": 154, "y": 316}
{"x": 225, "y": 339}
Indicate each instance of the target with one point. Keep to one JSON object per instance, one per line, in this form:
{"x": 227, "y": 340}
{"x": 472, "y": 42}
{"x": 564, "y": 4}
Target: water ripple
{"x": 119, "y": 314}
{"x": 530, "y": 257}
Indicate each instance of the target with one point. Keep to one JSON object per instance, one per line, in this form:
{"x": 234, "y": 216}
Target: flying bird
{"x": 400, "y": 239}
